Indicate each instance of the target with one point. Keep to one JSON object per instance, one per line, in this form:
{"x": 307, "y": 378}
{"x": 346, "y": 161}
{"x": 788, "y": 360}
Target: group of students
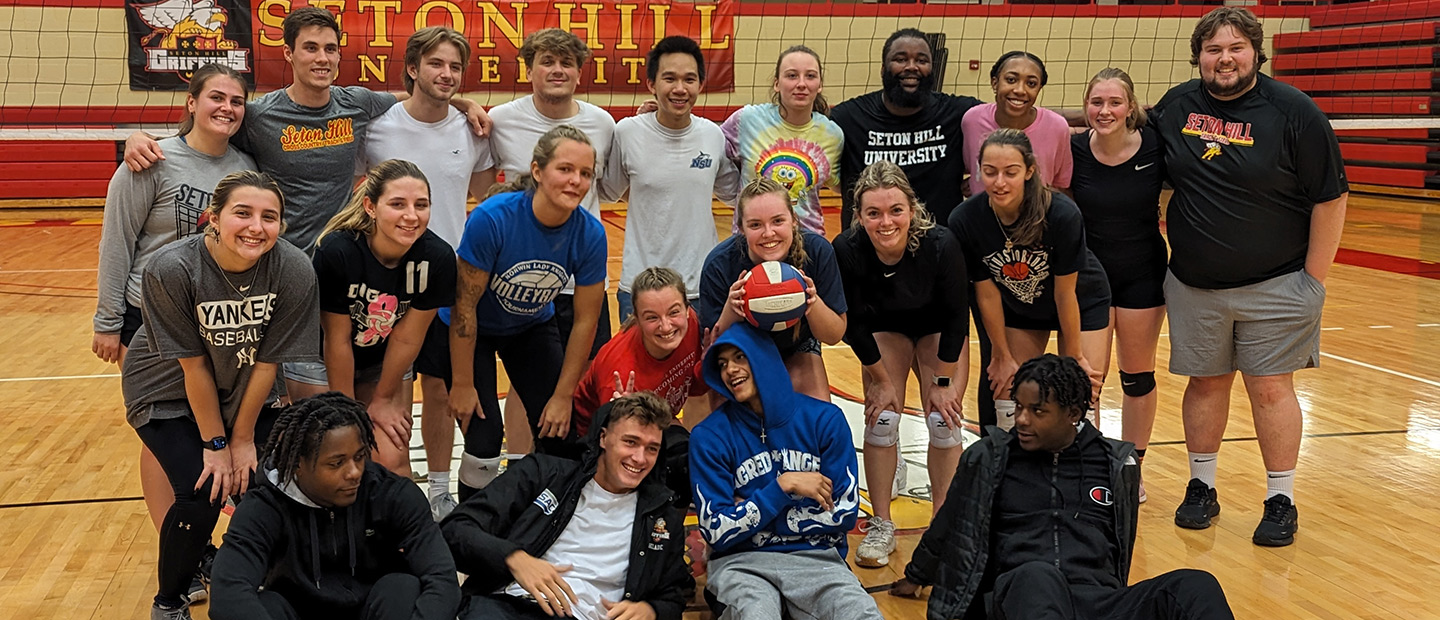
{"x": 303, "y": 290}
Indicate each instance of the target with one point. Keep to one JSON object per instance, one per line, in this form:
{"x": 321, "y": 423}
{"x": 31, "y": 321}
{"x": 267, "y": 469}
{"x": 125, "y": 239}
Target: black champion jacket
{"x": 528, "y": 506}
{"x": 325, "y": 560}
{"x": 954, "y": 553}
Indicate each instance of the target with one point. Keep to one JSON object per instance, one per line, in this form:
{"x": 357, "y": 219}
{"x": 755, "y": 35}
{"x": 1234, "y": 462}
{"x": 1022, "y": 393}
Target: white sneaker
{"x": 441, "y": 505}
{"x": 874, "y": 551}
{"x": 901, "y": 478}
{"x": 1142, "y": 491}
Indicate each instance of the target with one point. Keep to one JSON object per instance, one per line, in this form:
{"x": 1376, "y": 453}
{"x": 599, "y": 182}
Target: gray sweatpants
{"x": 805, "y": 585}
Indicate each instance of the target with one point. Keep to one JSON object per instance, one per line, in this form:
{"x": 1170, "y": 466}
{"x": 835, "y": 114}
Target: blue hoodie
{"x": 736, "y": 459}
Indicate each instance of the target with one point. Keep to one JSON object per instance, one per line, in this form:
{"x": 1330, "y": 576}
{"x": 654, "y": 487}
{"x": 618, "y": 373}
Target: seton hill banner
{"x": 373, "y": 35}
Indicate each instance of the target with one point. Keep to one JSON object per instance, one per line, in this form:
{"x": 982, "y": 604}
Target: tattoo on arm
{"x": 472, "y": 283}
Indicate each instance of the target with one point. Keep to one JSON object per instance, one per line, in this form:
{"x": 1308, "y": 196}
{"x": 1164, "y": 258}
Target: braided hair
{"x": 1057, "y": 377}
{"x": 301, "y": 428}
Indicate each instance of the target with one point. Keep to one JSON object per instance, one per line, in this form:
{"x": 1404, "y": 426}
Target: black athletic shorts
{"x": 132, "y": 321}
{"x": 1094, "y": 317}
{"x": 565, "y": 320}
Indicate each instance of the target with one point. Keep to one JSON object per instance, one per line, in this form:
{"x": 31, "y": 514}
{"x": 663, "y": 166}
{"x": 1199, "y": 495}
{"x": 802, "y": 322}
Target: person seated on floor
{"x": 776, "y": 490}
{"x": 594, "y": 539}
{"x": 330, "y": 533}
{"x": 1041, "y": 521}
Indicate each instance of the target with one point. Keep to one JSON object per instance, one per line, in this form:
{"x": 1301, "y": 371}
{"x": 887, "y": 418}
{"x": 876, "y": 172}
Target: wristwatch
{"x": 943, "y": 382}
{"x": 217, "y": 443}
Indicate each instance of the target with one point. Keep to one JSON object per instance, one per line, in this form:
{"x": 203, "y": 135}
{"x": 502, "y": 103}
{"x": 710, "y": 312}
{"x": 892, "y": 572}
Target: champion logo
{"x": 1101, "y": 495}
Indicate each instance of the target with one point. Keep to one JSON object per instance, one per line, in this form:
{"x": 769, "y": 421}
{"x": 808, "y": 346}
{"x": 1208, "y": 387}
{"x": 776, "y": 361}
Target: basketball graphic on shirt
{"x": 796, "y": 164}
{"x": 1022, "y": 271}
{"x": 528, "y": 286}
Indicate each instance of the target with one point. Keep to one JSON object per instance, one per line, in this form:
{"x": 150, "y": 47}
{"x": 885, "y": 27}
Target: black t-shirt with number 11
{"x": 375, "y": 297}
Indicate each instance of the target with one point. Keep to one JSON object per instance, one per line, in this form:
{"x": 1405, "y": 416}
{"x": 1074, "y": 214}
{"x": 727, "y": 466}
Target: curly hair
{"x": 297, "y": 435}
{"x": 1060, "y": 378}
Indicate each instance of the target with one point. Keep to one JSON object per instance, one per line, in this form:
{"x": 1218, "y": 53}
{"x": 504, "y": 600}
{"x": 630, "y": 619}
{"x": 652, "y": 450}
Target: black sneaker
{"x": 1277, "y": 528}
{"x": 1201, "y": 504}
{"x": 199, "y": 591}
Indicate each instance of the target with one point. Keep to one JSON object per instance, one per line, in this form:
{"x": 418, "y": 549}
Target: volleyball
{"x": 774, "y": 296}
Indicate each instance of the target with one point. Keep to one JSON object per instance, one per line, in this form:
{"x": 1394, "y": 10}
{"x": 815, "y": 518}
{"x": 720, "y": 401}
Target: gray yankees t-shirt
{"x": 146, "y": 210}
{"x": 310, "y": 151}
{"x": 192, "y": 308}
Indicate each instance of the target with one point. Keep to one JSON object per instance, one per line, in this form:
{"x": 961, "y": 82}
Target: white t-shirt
{"x": 518, "y": 126}
{"x": 669, "y": 221}
{"x": 596, "y": 543}
{"x": 447, "y": 152}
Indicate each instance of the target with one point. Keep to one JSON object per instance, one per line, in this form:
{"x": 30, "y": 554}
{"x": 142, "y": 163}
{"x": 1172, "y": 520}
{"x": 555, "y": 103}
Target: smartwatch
{"x": 943, "y": 382}
{"x": 216, "y": 444}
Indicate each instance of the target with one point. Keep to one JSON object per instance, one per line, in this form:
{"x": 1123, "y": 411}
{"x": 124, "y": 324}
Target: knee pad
{"x": 476, "y": 472}
{"x": 1005, "y": 414}
{"x": 885, "y": 433}
{"x": 1137, "y": 383}
{"x": 941, "y": 435}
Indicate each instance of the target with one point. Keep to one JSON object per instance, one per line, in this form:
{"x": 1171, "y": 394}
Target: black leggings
{"x": 1038, "y": 591}
{"x": 176, "y": 444}
{"x": 392, "y": 597}
{"x": 984, "y": 397}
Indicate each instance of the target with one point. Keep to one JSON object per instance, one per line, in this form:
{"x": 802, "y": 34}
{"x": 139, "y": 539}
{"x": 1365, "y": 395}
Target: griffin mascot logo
{"x": 186, "y": 35}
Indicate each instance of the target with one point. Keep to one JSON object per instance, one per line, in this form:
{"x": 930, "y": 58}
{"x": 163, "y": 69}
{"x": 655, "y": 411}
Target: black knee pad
{"x": 1137, "y": 383}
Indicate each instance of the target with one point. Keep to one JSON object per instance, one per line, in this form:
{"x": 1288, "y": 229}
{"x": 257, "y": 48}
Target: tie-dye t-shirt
{"x": 803, "y": 158}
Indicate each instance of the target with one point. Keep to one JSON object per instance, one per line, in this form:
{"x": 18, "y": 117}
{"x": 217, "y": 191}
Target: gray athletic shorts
{"x": 1266, "y": 328}
{"x": 313, "y": 373}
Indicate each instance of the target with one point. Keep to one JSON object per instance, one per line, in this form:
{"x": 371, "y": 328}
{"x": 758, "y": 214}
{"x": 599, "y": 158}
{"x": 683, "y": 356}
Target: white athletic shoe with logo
{"x": 874, "y": 551}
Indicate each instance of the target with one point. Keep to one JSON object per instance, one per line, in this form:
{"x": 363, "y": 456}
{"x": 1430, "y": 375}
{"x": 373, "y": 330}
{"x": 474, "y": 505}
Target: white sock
{"x": 1005, "y": 414}
{"x": 439, "y": 483}
{"x": 1280, "y": 483}
{"x": 1202, "y": 466}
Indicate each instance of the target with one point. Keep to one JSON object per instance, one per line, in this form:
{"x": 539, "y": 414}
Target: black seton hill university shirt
{"x": 1247, "y": 173}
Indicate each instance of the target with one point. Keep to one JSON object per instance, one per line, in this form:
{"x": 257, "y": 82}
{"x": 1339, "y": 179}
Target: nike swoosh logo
{"x": 888, "y": 274}
{"x": 1140, "y": 167}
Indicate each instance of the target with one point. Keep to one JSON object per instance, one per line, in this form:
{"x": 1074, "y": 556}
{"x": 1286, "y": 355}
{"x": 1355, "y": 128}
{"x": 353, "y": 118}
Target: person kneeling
{"x": 592, "y": 539}
{"x": 1041, "y": 522}
{"x": 328, "y": 532}
{"x": 775, "y": 486}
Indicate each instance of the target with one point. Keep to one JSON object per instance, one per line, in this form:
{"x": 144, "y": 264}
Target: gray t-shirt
{"x": 193, "y": 308}
{"x": 310, "y": 151}
{"x": 146, "y": 210}
{"x": 669, "y": 220}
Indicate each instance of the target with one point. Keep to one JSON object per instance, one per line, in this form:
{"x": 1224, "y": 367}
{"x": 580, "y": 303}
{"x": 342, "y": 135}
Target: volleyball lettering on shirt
{"x": 925, "y": 146}
{"x": 229, "y": 323}
{"x": 528, "y": 286}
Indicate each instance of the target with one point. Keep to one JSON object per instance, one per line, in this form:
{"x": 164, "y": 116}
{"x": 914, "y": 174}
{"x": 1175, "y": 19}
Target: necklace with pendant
{"x": 1008, "y": 243}
{"x": 225, "y": 275}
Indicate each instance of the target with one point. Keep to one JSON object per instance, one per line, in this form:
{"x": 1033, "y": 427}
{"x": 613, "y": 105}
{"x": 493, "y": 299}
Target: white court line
{"x": 59, "y": 378}
{"x": 42, "y": 270}
{"x": 1429, "y": 382}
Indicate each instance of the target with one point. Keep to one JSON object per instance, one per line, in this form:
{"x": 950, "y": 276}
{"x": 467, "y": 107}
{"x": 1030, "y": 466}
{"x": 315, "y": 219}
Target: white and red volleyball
{"x": 774, "y": 296}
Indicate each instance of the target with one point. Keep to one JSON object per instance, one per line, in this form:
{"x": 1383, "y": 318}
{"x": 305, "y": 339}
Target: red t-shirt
{"x": 673, "y": 379}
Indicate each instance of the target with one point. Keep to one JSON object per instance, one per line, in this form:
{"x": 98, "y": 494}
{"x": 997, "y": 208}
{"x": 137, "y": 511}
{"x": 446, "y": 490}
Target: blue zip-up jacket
{"x": 737, "y": 456}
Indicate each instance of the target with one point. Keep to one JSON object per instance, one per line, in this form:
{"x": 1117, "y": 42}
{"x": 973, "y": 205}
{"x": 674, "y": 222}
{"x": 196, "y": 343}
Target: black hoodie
{"x": 324, "y": 561}
{"x": 528, "y": 507}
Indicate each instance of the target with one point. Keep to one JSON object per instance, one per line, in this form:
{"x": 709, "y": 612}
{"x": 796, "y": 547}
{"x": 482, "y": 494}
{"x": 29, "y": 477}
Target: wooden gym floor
{"x": 78, "y": 543}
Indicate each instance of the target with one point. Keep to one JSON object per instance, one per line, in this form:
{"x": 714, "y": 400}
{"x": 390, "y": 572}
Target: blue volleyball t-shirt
{"x": 528, "y": 262}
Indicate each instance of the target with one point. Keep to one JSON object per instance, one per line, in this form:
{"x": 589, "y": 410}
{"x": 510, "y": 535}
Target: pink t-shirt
{"x": 1049, "y": 136}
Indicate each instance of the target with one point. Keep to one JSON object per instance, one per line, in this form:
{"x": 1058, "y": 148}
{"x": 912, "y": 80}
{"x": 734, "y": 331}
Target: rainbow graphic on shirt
{"x": 796, "y": 164}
